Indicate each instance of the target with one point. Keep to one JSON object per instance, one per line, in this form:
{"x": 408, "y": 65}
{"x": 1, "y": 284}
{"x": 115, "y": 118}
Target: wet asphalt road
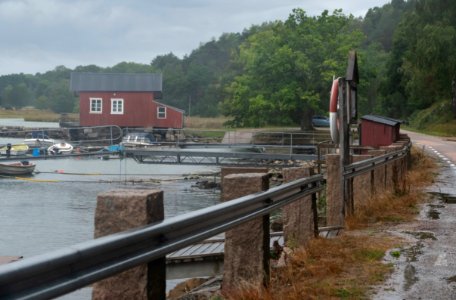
{"x": 426, "y": 267}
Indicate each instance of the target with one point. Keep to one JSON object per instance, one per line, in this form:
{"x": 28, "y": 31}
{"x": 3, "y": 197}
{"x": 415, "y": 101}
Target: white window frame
{"x": 115, "y": 106}
{"x": 161, "y": 112}
{"x": 100, "y": 106}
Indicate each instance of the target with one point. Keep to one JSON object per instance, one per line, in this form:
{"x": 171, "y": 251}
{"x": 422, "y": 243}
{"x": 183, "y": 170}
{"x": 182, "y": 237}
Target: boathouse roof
{"x": 119, "y": 82}
{"x": 382, "y": 120}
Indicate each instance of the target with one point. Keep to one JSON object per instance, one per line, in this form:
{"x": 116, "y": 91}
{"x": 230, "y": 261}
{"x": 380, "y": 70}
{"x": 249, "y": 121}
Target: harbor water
{"x": 55, "y": 207}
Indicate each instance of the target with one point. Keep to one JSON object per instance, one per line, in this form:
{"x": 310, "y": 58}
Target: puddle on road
{"x": 445, "y": 198}
{"x": 409, "y": 277}
{"x": 422, "y": 235}
{"x": 413, "y": 252}
{"x": 433, "y": 214}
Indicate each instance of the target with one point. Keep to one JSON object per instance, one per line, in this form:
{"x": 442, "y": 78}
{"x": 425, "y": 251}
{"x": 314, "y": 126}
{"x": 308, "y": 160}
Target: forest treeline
{"x": 280, "y": 72}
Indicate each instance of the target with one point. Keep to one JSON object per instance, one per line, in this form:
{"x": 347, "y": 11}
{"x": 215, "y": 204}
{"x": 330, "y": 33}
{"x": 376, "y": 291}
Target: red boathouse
{"x": 379, "y": 131}
{"x": 123, "y": 99}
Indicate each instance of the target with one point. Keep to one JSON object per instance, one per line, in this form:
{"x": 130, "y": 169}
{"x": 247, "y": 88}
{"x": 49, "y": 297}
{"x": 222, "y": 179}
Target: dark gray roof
{"x": 118, "y": 82}
{"x": 382, "y": 120}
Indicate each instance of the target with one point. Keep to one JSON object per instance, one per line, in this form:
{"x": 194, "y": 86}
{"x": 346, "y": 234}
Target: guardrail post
{"x": 379, "y": 173}
{"x": 362, "y": 184}
{"x": 335, "y": 210}
{"x": 120, "y": 210}
{"x": 240, "y": 170}
{"x": 247, "y": 246}
{"x": 400, "y": 185}
{"x": 299, "y": 217}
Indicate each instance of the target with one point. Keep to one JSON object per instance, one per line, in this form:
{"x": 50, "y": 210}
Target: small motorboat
{"x": 17, "y": 149}
{"x": 60, "y": 148}
{"x": 38, "y": 140}
{"x": 17, "y": 168}
{"x": 139, "y": 139}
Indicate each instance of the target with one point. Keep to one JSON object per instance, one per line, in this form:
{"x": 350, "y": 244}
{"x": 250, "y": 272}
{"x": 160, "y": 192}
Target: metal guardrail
{"x": 361, "y": 167}
{"x": 65, "y": 270}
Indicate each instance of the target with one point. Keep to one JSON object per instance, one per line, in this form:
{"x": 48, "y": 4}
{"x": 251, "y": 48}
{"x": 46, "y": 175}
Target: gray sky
{"x": 38, "y": 35}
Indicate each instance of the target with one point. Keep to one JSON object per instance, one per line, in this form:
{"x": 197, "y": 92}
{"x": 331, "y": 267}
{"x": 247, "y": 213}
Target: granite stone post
{"x": 400, "y": 185}
{"x": 389, "y": 172}
{"x": 392, "y": 170}
{"x": 335, "y": 211}
{"x": 298, "y": 216}
{"x": 379, "y": 172}
{"x": 362, "y": 184}
{"x": 239, "y": 170}
{"x": 246, "y": 257}
{"x": 120, "y": 210}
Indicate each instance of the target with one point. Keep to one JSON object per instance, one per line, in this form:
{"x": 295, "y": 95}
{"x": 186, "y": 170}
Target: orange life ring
{"x": 333, "y": 106}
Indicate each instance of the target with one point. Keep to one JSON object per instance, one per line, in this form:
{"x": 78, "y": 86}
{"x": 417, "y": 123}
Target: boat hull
{"x": 60, "y": 148}
{"x": 17, "y": 168}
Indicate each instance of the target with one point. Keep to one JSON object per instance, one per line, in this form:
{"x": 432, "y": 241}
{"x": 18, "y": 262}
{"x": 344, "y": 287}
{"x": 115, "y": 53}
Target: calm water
{"x": 55, "y": 207}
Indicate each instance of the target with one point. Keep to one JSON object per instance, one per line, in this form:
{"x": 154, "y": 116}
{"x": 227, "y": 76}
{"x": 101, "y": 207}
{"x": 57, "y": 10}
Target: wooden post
{"x": 121, "y": 210}
{"x": 246, "y": 246}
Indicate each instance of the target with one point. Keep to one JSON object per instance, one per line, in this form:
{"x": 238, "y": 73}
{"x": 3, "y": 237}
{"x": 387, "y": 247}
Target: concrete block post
{"x": 240, "y": 170}
{"x": 120, "y": 210}
{"x": 379, "y": 173}
{"x": 299, "y": 221}
{"x": 362, "y": 184}
{"x": 335, "y": 211}
{"x": 246, "y": 246}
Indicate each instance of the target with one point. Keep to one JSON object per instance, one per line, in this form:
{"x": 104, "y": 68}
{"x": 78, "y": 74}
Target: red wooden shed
{"x": 123, "y": 99}
{"x": 379, "y": 131}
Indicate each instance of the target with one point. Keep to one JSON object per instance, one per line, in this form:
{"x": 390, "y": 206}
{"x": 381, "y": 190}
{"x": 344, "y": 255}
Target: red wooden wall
{"x": 140, "y": 110}
{"x": 377, "y": 134}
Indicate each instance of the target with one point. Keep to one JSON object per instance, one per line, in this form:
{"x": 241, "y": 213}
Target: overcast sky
{"x": 38, "y": 35}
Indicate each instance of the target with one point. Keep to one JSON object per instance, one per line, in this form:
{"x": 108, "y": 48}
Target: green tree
{"x": 288, "y": 69}
{"x": 16, "y": 96}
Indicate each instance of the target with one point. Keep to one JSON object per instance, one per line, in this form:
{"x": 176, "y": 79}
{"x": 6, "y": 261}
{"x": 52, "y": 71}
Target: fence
{"x": 62, "y": 271}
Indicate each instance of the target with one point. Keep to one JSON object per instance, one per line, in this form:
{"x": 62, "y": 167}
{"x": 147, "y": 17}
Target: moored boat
{"x": 60, "y": 148}
{"x": 139, "y": 139}
{"x": 16, "y": 149}
{"x": 38, "y": 140}
{"x": 17, "y": 168}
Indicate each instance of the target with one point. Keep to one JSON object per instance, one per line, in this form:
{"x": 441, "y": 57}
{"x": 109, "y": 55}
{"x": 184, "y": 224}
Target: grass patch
{"x": 35, "y": 115}
{"x": 435, "y": 120}
{"x": 206, "y": 123}
{"x": 348, "y": 266}
{"x": 341, "y": 267}
{"x": 389, "y": 208}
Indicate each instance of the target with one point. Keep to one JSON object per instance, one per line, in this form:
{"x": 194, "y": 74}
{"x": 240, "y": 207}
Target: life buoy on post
{"x": 333, "y": 122}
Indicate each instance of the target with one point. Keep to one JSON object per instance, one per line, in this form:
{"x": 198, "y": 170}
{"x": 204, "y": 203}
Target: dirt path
{"x": 237, "y": 137}
{"x": 426, "y": 269}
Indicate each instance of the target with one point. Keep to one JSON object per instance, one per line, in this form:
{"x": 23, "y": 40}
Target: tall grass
{"x": 32, "y": 114}
{"x": 206, "y": 123}
{"x": 348, "y": 266}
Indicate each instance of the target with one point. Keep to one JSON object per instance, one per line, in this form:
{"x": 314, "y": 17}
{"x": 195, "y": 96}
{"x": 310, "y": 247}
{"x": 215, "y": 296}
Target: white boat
{"x": 60, "y": 148}
{"x": 139, "y": 139}
{"x": 38, "y": 140}
{"x": 17, "y": 149}
{"x": 17, "y": 168}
